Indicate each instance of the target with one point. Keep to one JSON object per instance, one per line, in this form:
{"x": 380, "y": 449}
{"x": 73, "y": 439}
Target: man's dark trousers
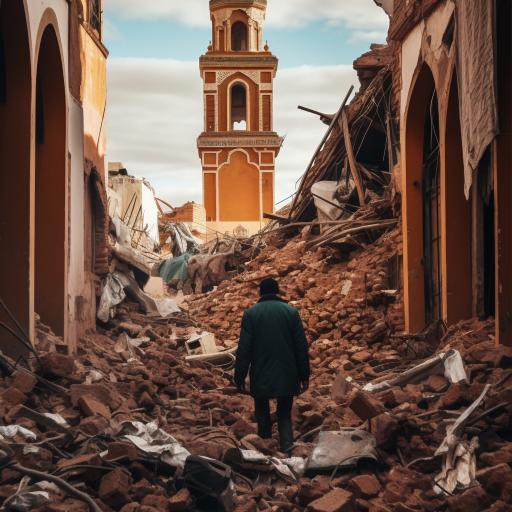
{"x": 284, "y": 420}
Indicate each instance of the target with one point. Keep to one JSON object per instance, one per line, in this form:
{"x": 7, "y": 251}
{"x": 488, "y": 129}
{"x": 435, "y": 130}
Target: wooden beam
{"x": 352, "y": 159}
{"x": 273, "y": 216}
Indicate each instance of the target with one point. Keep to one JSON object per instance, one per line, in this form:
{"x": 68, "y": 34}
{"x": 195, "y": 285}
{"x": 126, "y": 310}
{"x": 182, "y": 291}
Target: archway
{"x": 456, "y": 240}
{"x": 239, "y": 37}
{"x": 50, "y": 185}
{"x": 239, "y": 119}
{"x": 15, "y": 150}
{"x": 421, "y": 201}
{"x": 239, "y": 190}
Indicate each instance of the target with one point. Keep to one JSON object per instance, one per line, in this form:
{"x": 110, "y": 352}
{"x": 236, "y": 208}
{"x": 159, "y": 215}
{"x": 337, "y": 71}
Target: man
{"x": 274, "y": 348}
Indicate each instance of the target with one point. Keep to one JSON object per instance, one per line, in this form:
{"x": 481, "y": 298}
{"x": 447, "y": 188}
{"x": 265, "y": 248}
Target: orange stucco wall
{"x": 210, "y": 196}
{"x": 239, "y": 190}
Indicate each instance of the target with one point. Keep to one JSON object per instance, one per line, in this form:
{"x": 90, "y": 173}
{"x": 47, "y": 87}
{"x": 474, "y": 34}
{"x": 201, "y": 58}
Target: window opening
{"x": 238, "y": 107}
{"x": 239, "y": 37}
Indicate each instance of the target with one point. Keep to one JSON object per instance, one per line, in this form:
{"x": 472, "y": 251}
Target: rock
{"x": 503, "y": 455}
{"x": 160, "y": 503}
{"x": 338, "y": 500}
{"x": 361, "y": 357}
{"x": 87, "y": 459}
{"x": 24, "y": 381}
{"x": 242, "y": 428}
{"x": 99, "y": 392}
{"x": 13, "y": 396}
{"x": 436, "y": 383}
{"x": 57, "y": 365}
{"x": 93, "y": 425}
{"x": 122, "y": 450}
{"x": 69, "y": 505}
{"x": 365, "y": 405}
{"x": 92, "y": 407}
{"x": 311, "y": 490}
{"x": 472, "y": 500}
{"x": 497, "y": 480}
{"x": 385, "y": 429}
{"x": 181, "y": 501}
{"x": 115, "y": 488}
{"x": 365, "y": 486}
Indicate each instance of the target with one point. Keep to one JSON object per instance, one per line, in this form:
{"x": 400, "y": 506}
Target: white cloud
{"x": 156, "y": 113}
{"x": 356, "y": 14}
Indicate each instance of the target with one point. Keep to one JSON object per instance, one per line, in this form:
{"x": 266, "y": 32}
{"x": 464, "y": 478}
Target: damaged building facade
{"x": 53, "y": 219}
{"x": 452, "y": 102}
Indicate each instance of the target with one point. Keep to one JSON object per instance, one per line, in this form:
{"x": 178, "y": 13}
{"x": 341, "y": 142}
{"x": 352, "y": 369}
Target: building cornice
{"x": 239, "y": 140}
{"x": 238, "y": 61}
{"x": 233, "y": 4}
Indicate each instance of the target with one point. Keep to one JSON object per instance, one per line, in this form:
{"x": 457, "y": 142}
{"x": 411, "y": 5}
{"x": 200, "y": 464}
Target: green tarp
{"x": 175, "y": 269}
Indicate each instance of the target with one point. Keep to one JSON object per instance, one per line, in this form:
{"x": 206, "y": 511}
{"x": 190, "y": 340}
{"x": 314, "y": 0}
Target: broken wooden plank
{"x": 352, "y": 159}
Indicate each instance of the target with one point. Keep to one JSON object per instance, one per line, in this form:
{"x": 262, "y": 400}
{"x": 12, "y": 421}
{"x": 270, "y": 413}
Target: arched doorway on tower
{"x": 15, "y": 151}
{"x": 50, "y": 185}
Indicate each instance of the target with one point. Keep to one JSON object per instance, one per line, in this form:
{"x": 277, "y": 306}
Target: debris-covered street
{"x": 123, "y": 317}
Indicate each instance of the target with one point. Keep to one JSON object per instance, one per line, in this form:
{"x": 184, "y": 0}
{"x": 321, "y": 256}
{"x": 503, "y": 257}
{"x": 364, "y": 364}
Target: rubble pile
{"x": 124, "y": 422}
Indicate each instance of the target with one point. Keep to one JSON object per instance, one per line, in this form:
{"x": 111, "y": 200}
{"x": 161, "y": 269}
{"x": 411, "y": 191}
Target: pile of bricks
{"x": 352, "y": 310}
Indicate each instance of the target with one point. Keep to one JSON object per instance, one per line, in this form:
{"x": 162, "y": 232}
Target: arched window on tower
{"x": 239, "y": 37}
{"x": 238, "y": 107}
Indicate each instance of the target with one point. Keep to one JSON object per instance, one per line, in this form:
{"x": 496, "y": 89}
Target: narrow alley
{"x": 120, "y": 314}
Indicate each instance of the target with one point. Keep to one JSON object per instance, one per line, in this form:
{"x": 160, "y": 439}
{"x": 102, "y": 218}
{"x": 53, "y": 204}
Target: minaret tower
{"x": 238, "y": 147}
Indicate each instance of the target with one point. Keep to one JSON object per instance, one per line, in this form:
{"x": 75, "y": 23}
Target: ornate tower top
{"x": 237, "y": 25}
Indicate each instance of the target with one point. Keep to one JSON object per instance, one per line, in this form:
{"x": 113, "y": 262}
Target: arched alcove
{"x": 239, "y": 37}
{"x": 50, "y": 185}
{"x": 239, "y": 120}
{"x": 457, "y": 302}
{"x": 15, "y": 150}
{"x": 239, "y": 189}
{"x": 421, "y": 205}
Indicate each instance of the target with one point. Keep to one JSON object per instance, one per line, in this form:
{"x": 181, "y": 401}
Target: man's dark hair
{"x": 269, "y": 286}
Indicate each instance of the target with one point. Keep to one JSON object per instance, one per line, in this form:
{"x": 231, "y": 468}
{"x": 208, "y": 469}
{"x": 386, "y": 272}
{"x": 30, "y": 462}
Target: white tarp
{"x": 11, "y": 431}
{"x": 156, "y": 442}
{"x": 112, "y": 295}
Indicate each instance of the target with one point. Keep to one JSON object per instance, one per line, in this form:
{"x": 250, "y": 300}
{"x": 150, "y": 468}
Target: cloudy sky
{"x": 155, "y": 95}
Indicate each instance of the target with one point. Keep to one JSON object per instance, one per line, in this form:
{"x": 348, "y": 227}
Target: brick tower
{"x": 238, "y": 147}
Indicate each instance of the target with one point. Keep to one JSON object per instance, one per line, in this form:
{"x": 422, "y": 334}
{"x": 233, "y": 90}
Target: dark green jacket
{"x": 274, "y": 347}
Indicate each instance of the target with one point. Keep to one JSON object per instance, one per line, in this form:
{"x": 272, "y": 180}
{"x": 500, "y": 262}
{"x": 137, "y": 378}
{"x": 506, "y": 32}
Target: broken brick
{"x": 365, "y": 406}
{"x": 13, "y": 396}
{"x": 385, "y": 429}
{"x": 57, "y": 365}
{"x": 24, "y": 381}
{"x": 92, "y": 407}
{"x": 472, "y": 500}
{"x": 365, "y": 486}
{"x": 115, "y": 488}
{"x": 121, "y": 450}
{"x": 338, "y": 500}
{"x": 181, "y": 501}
